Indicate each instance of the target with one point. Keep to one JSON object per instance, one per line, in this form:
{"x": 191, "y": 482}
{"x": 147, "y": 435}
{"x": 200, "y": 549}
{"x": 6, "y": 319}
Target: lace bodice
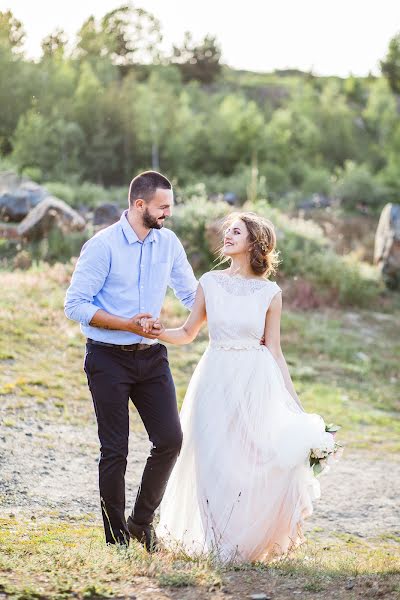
{"x": 236, "y": 309}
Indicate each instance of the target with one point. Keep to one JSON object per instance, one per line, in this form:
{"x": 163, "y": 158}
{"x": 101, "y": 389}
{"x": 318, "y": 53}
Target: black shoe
{"x": 144, "y": 534}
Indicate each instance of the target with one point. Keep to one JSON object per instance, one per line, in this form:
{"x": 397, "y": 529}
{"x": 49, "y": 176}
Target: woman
{"x": 242, "y": 484}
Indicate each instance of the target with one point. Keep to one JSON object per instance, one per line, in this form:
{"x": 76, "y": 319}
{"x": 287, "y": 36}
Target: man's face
{"x": 158, "y": 209}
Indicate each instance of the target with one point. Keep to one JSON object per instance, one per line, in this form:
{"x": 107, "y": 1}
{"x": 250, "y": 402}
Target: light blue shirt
{"x": 124, "y": 276}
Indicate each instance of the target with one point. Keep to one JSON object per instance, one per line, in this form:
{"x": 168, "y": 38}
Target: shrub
{"x": 239, "y": 184}
{"x": 356, "y": 185}
{"x": 63, "y": 191}
{"x": 317, "y": 181}
{"x": 191, "y": 222}
{"x": 305, "y": 252}
{"x": 87, "y": 194}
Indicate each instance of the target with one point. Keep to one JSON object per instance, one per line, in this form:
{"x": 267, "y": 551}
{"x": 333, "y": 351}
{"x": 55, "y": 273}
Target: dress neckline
{"x": 240, "y": 277}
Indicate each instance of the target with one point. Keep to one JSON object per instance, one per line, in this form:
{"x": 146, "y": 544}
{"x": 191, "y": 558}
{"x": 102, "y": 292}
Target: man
{"x": 121, "y": 277}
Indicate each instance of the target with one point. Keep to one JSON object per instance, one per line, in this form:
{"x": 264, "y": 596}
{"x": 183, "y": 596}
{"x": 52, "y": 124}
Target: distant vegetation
{"x": 101, "y": 108}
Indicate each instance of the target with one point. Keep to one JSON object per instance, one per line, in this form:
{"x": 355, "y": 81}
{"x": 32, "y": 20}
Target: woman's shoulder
{"x": 206, "y": 276}
{"x": 274, "y": 287}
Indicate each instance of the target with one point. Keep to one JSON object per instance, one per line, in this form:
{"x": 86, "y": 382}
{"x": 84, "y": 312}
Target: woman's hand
{"x": 152, "y": 326}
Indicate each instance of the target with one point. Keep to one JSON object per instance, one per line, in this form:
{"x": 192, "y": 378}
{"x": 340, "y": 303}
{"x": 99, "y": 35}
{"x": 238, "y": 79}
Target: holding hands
{"x": 148, "y": 326}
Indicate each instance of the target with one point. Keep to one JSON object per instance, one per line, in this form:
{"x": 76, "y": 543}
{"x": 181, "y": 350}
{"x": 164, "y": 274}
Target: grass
{"x": 66, "y": 559}
{"x": 345, "y": 367}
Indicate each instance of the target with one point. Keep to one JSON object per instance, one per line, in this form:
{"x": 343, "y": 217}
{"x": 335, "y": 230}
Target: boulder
{"x": 316, "y": 201}
{"x": 387, "y": 245}
{"x": 18, "y": 196}
{"x": 106, "y": 214}
{"x": 50, "y": 213}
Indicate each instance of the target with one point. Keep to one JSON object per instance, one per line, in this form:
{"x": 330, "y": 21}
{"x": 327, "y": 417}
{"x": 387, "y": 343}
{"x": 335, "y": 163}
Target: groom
{"x": 122, "y": 276}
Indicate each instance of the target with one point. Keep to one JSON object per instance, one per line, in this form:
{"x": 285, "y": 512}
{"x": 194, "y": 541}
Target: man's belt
{"x": 126, "y": 347}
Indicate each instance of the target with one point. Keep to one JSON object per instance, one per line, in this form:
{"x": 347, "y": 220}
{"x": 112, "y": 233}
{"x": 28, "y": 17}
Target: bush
{"x": 357, "y": 186}
{"x": 33, "y": 173}
{"x": 58, "y": 247}
{"x": 317, "y": 181}
{"x": 239, "y": 184}
{"x": 63, "y": 191}
{"x": 87, "y": 194}
{"x": 306, "y": 253}
{"x": 191, "y": 222}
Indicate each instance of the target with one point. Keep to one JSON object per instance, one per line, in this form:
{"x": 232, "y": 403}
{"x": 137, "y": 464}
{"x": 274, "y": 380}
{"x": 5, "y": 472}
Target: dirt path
{"x": 52, "y": 469}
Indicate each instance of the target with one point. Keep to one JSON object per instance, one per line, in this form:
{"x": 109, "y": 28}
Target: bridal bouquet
{"x": 321, "y": 457}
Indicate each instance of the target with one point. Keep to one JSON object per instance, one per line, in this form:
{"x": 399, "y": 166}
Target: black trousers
{"x": 115, "y": 376}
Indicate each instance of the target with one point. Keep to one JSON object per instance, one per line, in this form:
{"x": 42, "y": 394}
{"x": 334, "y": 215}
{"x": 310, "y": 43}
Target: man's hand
{"x": 135, "y": 325}
{"x": 152, "y": 326}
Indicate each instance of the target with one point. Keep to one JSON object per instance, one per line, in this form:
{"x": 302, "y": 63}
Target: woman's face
{"x": 236, "y": 239}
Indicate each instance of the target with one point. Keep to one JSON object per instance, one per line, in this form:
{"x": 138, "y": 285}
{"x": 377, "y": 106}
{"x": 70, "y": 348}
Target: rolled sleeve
{"x": 88, "y": 279}
{"x": 182, "y": 279}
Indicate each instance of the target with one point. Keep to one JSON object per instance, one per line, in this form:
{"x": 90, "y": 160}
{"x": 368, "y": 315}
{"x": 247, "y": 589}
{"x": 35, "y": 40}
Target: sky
{"x": 338, "y": 37}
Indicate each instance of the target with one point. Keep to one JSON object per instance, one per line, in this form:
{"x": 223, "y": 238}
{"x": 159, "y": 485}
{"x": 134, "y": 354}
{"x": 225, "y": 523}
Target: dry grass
{"x": 345, "y": 367}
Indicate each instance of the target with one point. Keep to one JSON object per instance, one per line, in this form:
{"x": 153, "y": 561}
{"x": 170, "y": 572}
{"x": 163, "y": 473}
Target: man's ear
{"x": 139, "y": 203}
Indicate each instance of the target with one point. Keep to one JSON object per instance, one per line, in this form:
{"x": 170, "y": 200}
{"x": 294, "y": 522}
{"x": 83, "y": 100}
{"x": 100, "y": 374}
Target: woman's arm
{"x": 189, "y": 330}
{"x": 272, "y": 336}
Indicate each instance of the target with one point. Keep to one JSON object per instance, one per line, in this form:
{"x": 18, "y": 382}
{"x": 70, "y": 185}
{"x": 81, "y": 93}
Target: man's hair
{"x": 145, "y": 184}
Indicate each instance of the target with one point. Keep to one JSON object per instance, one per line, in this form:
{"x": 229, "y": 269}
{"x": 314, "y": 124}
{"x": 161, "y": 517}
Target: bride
{"x": 242, "y": 484}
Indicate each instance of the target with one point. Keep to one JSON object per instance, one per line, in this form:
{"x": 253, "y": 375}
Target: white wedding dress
{"x": 242, "y": 484}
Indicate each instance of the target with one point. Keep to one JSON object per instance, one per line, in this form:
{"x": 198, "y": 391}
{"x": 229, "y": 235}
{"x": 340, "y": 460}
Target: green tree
{"x": 380, "y": 117}
{"x": 52, "y": 145}
{"x": 198, "y": 61}
{"x": 12, "y": 33}
{"x": 95, "y": 117}
{"x": 131, "y": 35}
{"x": 390, "y": 65}
{"x": 16, "y": 76}
{"x": 340, "y": 131}
{"x": 54, "y": 44}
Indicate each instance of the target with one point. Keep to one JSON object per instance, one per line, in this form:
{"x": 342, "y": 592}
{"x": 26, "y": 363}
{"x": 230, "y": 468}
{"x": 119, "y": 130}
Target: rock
{"x": 231, "y": 198}
{"x": 387, "y": 245}
{"x": 316, "y": 201}
{"x": 14, "y": 207}
{"x": 18, "y": 197}
{"x": 49, "y": 214}
{"x": 106, "y": 214}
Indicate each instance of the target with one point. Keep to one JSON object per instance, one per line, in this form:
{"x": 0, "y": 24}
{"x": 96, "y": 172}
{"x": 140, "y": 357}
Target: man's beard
{"x": 152, "y": 222}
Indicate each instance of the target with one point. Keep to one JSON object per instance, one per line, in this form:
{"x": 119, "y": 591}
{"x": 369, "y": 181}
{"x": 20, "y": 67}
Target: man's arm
{"x": 182, "y": 279}
{"x": 89, "y": 276}
{"x": 105, "y": 320}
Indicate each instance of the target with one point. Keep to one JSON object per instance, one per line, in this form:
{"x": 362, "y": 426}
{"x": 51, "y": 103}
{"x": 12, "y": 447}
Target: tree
{"x": 390, "y": 65}
{"x": 50, "y": 144}
{"x": 90, "y": 40}
{"x": 54, "y": 44}
{"x": 16, "y": 76}
{"x": 131, "y": 35}
{"x": 198, "y": 61}
{"x": 12, "y": 33}
{"x": 96, "y": 118}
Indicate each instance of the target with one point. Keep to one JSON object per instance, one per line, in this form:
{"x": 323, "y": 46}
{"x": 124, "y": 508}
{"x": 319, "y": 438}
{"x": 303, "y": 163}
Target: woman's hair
{"x": 264, "y": 259}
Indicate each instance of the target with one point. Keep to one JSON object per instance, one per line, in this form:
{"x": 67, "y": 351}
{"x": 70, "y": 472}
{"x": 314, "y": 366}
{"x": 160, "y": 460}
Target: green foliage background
{"x": 111, "y": 105}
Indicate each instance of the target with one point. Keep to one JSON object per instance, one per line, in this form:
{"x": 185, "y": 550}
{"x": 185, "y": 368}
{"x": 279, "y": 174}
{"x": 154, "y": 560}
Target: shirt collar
{"x": 131, "y": 235}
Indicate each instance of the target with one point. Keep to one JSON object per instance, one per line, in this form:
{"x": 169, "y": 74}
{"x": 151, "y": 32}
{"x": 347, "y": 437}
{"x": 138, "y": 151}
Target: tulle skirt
{"x": 242, "y": 485}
